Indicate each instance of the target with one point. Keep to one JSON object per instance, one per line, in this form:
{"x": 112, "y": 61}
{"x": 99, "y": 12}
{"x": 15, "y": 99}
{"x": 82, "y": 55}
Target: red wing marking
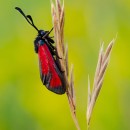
{"x": 49, "y": 72}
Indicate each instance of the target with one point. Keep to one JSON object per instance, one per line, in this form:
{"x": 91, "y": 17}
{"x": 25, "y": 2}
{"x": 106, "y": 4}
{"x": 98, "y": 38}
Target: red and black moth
{"x": 50, "y": 73}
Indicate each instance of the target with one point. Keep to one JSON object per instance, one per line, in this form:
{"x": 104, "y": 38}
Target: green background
{"x": 25, "y": 104}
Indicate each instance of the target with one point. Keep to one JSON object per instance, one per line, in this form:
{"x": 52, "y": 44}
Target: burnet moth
{"x": 50, "y": 73}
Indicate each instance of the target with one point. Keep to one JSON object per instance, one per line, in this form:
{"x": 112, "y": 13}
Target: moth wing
{"x": 49, "y": 72}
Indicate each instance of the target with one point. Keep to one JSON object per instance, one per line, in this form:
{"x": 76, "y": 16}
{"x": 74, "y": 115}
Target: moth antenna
{"x": 28, "y": 18}
{"x": 47, "y": 33}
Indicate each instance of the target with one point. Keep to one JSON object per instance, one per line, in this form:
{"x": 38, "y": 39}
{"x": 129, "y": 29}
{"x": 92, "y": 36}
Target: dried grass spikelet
{"x": 62, "y": 51}
{"x": 102, "y": 64}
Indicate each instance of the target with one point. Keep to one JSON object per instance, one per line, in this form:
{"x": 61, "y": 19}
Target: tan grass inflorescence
{"x": 62, "y": 51}
{"x": 102, "y": 64}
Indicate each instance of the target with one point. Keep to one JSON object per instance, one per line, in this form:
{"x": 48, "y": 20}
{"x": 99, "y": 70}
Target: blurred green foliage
{"x": 25, "y": 104}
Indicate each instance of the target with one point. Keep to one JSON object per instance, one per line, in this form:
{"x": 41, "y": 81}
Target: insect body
{"x": 50, "y": 73}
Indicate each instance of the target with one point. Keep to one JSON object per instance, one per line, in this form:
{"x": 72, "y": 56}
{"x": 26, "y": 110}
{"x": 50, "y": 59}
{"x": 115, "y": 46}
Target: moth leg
{"x": 52, "y": 49}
